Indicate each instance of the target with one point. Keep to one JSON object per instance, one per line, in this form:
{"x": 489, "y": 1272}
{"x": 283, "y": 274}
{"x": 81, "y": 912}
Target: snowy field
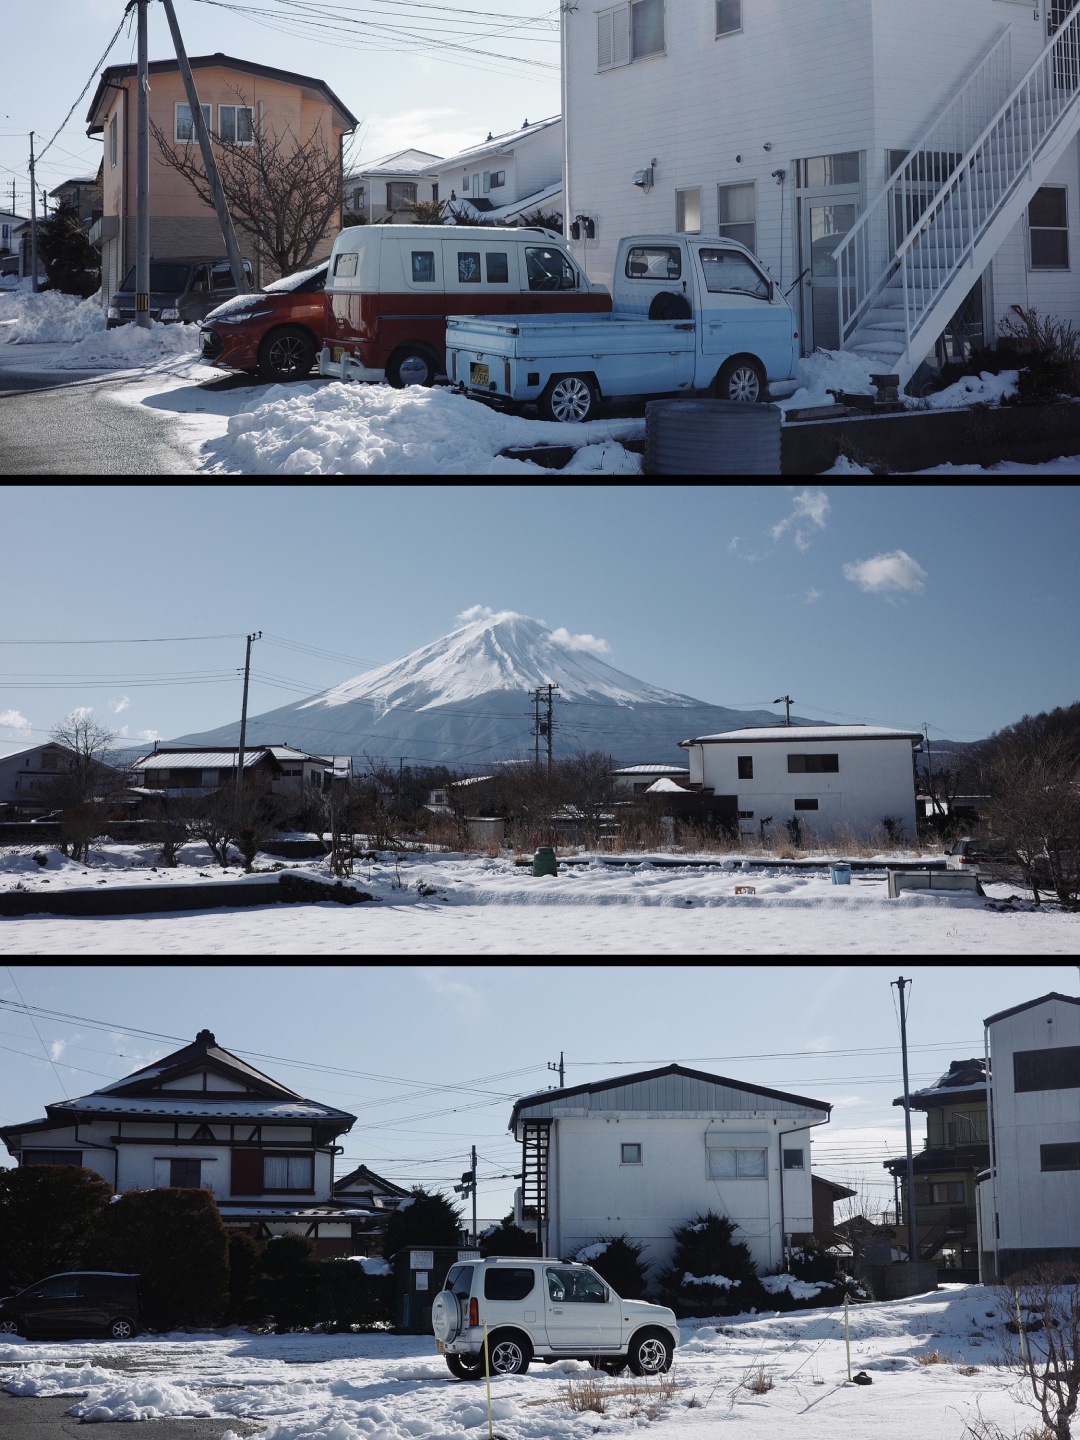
{"x": 319, "y": 427}
{"x": 457, "y": 904}
{"x": 388, "y": 1387}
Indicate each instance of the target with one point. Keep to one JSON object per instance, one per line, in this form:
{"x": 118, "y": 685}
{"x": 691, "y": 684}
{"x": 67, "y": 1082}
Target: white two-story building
{"x": 833, "y": 779}
{"x": 506, "y": 177}
{"x": 933, "y": 143}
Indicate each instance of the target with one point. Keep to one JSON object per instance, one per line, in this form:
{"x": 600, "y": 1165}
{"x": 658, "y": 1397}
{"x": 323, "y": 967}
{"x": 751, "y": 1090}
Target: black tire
{"x": 286, "y": 353}
{"x": 411, "y": 365}
{"x": 650, "y": 1353}
{"x": 509, "y": 1353}
{"x": 668, "y": 305}
{"x": 568, "y": 400}
{"x": 465, "y": 1367}
{"x": 609, "y": 1364}
{"x": 10, "y": 1327}
{"x": 741, "y": 378}
{"x": 122, "y": 1329}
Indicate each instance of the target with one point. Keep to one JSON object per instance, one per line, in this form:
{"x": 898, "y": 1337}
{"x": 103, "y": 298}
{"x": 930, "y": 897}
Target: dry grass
{"x": 587, "y": 1394}
{"x": 933, "y": 1357}
{"x": 967, "y": 1369}
{"x": 757, "y": 1380}
{"x": 630, "y": 1400}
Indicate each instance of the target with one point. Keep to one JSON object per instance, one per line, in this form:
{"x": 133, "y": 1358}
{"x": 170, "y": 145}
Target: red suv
{"x": 277, "y": 331}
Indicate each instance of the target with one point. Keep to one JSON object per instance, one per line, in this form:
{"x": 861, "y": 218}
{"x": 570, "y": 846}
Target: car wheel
{"x": 742, "y": 380}
{"x": 508, "y": 1354}
{"x": 9, "y": 1327}
{"x": 465, "y": 1367}
{"x": 568, "y": 400}
{"x": 650, "y": 1353}
{"x": 121, "y": 1330}
{"x": 411, "y": 366}
{"x": 286, "y": 354}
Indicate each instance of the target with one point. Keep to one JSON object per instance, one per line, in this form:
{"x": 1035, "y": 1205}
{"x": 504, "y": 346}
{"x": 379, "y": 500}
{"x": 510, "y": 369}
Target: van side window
{"x": 728, "y": 272}
{"x": 423, "y": 267}
{"x": 468, "y": 267}
{"x": 549, "y": 269}
{"x": 653, "y": 262}
{"x": 498, "y": 269}
{"x": 345, "y": 263}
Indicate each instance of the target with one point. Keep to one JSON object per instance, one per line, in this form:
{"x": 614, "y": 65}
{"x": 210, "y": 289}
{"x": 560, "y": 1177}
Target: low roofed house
{"x": 190, "y": 771}
{"x": 508, "y": 177}
{"x": 202, "y": 1118}
{"x": 636, "y": 779}
{"x": 83, "y": 194}
{"x": 387, "y": 189}
{"x": 27, "y": 777}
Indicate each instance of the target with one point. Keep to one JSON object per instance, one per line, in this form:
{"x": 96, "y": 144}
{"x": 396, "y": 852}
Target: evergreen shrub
{"x": 619, "y": 1263}
{"x": 705, "y": 1247}
{"x": 49, "y": 1217}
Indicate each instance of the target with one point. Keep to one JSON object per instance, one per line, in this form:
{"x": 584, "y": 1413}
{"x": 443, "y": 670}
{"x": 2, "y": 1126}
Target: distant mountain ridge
{"x": 464, "y": 701}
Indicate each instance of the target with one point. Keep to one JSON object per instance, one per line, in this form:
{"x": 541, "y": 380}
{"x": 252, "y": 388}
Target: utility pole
{"x": 550, "y": 721}
{"x": 560, "y": 1068}
{"x": 198, "y": 121}
{"x": 787, "y": 702}
{"x": 909, "y": 1205}
{"x": 930, "y": 769}
{"x": 33, "y": 220}
{"x": 142, "y": 182}
{"x": 243, "y": 714}
{"x": 467, "y": 1188}
{"x": 536, "y": 728}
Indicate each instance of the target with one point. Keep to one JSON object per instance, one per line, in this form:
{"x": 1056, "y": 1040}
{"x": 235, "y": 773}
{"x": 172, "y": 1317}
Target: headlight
{"x": 235, "y": 316}
{"x": 170, "y": 314}
{"x": 113, "y": 313}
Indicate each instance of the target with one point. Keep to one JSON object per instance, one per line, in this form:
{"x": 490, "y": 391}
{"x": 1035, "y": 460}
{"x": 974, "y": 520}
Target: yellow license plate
{"x": 336, "y": 353}
{"x": 440, "y": 1345}
{"x": 479, "y": 374}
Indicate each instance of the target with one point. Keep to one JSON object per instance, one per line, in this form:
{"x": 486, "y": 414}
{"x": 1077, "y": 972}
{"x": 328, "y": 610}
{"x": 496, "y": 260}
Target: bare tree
{"x": 213, "y": 821}
{"x": 169, "y": 826}
{"x": 287, "y": 193}
{"x": 1035, "y": 807}
{"x": 586, "y": 784}
{"x": 256, "y": 816}
{"x": 86, "y": 782}
{"x": 1042, "y": 1308}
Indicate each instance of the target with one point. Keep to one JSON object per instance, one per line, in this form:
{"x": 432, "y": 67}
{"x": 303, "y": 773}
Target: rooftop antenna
{"x": 787, "y": 702}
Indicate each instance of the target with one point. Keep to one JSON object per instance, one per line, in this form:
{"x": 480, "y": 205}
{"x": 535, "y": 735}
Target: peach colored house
{"x": 240, "y": 96}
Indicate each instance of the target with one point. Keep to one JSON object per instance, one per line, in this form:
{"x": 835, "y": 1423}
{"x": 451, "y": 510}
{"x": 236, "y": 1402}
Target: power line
{"x": 93, "y": 76}
{"x": 142, "y": 640}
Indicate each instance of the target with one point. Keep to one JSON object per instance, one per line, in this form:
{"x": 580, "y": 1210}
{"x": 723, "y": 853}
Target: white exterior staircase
{"x": 915, "y": 253}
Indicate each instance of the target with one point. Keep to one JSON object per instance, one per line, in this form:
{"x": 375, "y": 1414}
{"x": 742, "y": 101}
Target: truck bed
{"x": 526, "y": 337}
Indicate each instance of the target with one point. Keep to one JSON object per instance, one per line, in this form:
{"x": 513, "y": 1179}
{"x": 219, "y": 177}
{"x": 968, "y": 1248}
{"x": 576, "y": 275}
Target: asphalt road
{"x": 30, "y": 1418}
{"x": 68, "y": 425}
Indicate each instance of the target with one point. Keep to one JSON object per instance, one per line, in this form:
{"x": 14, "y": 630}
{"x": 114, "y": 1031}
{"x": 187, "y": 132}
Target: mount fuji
{"x": 464, "y": 701}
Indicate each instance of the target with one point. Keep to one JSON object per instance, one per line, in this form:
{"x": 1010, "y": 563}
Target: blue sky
{"x": 430, "y": 1058}
{"x": 404, "y": 89}
{"x": 893, "y": 604}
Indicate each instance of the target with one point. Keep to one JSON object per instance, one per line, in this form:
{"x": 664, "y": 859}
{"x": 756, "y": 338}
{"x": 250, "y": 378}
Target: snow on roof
{"x": 289, "y": 752}
{"x": 401, "y": 161}
{"x": 652, "y": 770}
{"x": 222, "y": 1109}
{"x": 665, "y": 786}
{"x": 198, "y": 759}
{"x": 789, "y": 733}
{"x": 514, "y": 207}
{"x": 499, "y": 142}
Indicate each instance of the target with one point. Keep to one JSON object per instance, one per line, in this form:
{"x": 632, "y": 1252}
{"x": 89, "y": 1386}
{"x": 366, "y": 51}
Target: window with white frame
{"x": 498, "y": 177}
{"x": 236, "y": 124}
{"x": 688, "y": 211}
{"x": 629, "y": 32}
{"x": 288, "y": 1172}
{"x": 1048, "y": 228}
{"x": 728, "y": 16}
{"x": 737, "y": 1164}
{"x": 737, "y": 211}
{"x": 184, "y": 126}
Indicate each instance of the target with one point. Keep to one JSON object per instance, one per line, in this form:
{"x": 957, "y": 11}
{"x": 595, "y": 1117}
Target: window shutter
{"x": 603, "y": 40}
{"x": 620, "y": 38}
{"x": 247, "y": 1172}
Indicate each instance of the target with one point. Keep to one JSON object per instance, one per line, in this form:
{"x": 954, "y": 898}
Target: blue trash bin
{"x": 841, "y": 874}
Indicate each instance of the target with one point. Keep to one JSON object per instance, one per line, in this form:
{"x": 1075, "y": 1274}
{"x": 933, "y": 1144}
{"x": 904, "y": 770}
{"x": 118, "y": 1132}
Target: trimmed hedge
{"x": 49, "y": 1219}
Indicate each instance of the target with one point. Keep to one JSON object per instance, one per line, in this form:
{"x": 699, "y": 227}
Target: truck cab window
{"x": 653, "y": 262}
{"x": 728, "y": 272}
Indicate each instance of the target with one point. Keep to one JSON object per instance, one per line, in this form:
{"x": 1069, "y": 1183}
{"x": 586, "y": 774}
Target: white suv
{"x": 546, "y": 1310}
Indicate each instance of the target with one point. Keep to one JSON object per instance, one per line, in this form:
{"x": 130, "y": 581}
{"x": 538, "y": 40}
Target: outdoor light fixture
{"x": 643, "y": 179}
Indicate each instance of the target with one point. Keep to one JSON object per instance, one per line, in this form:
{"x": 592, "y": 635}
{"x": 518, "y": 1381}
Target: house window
{"x": 947, "y": 1192}
{"x": 793, "y": 1160}
{"x": 184, "y": 128}
{"x": 487, "y": 181}
{"x": 185, "y": 1174}
{"x": 498, "y": 268}
{"x": 737, "y": 1165}
{"x": 288, "y": 1172}
{"x": 746, "y": 814}
{"x": 112, "y": 142}
{"x": 746, "y": 767}
{"x": 434, "y": 194}
{"x": 806, "y": 804}
{"x": 498, "y": 178}
{"x": 52, "y": 1157}
{"x": 1048, "y": 227}
{"x": 358, "y": 198}
{"x": 631, "y": 1154}
{"x": 400, "y": 193}
{"x": 236, "y": 125}
{"x": 821, "y": 172}
{"x": 1060, "y": 1157}
{"x": 423, "y": 267}
{"x": 688, "y": 212}
{"x": 1047, "y": 1069}
{"x": 813, "y": 764}
{"x": 629, "y": 32}
{"x": 922, "y": 1193}
{"x": 468, "y": 267}
{"x": 728, "y": 16}
{"x": 737, "y": 210}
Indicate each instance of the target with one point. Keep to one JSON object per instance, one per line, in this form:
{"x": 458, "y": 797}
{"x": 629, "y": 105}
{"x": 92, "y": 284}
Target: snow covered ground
{"x": 456, "y": 904}
{"x": 390, "y": 1387}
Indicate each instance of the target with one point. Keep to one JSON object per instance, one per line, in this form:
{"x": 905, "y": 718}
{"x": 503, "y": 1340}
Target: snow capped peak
{"x": 497, "y": 650}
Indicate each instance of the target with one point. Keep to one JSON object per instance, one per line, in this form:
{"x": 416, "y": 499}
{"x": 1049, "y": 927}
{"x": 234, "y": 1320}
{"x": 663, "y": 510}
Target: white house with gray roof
{"x": 832, "y": 778}
{"x": 506, "y": 176}
{"x": 643, "y": 1153}
{"x": 388, "y": 188}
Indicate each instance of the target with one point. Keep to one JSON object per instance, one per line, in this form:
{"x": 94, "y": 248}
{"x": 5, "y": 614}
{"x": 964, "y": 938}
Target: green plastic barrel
{"x": 544, "y": 862}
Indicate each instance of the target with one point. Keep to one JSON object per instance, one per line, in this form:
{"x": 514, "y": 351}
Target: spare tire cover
{"x": 446, "y": 1316}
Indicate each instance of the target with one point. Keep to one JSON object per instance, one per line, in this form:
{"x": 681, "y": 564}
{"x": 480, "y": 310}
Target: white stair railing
{"x": 977, "y": 192}
{"x": 865, "y": 256}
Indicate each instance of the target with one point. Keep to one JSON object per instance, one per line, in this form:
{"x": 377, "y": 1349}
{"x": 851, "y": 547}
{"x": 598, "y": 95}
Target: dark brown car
{"x": 277, "y": 331}
{"x": 77, "y": 1302}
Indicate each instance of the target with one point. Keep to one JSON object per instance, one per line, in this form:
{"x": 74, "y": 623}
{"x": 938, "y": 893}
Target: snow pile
{"x": 140, "y": 1400}
{"x": 827, "y": 370}
{"x": 373, "y": 1265}
{"x": 375, "y": 430}
{"x": 43, "y": 1379}
{"x": 797, "y": 1289}
{"x": 79, "y": 325}
{"x": 128, "y": 346}
{"x": 29, "y": 319}
{"x": 984, "y": 389}
{"x": 720, "y": 1281}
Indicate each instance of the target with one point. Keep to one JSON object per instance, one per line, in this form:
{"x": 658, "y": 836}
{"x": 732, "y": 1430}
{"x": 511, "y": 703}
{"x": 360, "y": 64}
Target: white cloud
{"x": 885, "y": 574}
{"x": 149, "y": 735}
{"x": 580, "y": 642}
{"x": 81, "y": 712}
{"x": 56, "y": 1049}
{"x": 13, "y": 720}
{"x": 119, "y": 706}
{"x": 812, "y": 596}
{"x": 485, "y": 612}
{"x": 733, "y": 544}
{"x": 809, "y": 511}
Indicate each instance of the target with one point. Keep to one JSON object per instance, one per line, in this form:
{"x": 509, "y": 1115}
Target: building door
{"x": 824, "y": 221}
